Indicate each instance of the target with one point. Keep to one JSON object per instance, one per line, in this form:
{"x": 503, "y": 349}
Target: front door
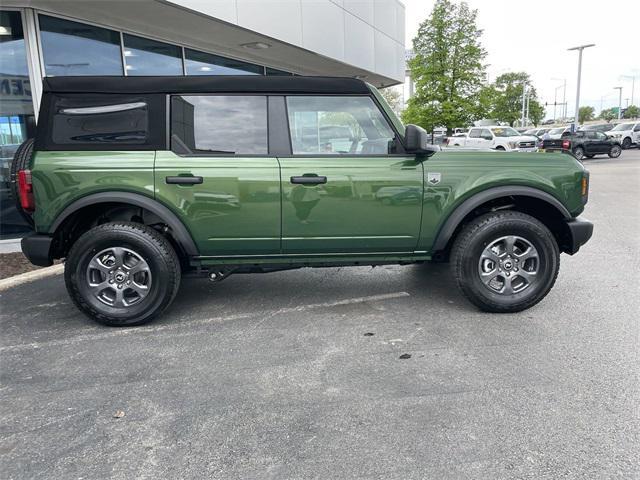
{"x": 345, "y": 189}
{"x": 219, "y": 177}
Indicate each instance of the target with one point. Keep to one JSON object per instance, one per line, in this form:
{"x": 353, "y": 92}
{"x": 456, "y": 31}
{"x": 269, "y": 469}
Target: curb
{"x": 31, "y": 276}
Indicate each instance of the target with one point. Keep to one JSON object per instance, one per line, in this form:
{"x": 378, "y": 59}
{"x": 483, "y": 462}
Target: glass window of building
{"x": 150, "y": 57}
{"x": 338, "y": 126}
{"x": 200, "y": 63}
{"x": 210, "y": 124}
{"x": 16, "y": 113}
{"x": 72, "y": 48}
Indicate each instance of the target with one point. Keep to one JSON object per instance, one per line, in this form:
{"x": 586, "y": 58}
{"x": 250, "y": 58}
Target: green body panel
{"x": 235, "y": 211}
{"x": 372, "y": 209}
{"x": 464, "y": 174}
{"x": 369, "y": 204}
{"x": 60, "y": 178}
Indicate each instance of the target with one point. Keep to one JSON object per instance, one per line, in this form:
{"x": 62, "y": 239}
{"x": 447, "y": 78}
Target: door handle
{"x": 184, "y": 180}
{"x": 309, "y": 180}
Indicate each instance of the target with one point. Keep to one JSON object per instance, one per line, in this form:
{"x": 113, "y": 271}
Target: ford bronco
{"x": 135, "y": 181}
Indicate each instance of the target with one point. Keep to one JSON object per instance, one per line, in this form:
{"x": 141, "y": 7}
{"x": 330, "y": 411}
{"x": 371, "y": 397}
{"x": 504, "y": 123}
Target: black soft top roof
{"x": 205, "y": 84}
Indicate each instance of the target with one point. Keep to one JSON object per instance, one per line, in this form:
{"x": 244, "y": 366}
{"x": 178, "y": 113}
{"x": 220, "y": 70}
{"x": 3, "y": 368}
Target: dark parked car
{"x": 584, "y": 144}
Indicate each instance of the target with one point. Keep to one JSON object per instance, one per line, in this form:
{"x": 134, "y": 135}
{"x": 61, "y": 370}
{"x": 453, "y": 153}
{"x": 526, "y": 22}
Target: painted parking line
{"x": 112, "y": 333}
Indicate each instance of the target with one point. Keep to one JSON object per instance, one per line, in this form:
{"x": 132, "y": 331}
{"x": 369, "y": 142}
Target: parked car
{"x": 113, "y": 184}
{"x": 497, "y": 138}
{"x": 600, "y": 127}
{"x": 556, "y": 133}
{"x": 537, "y": 132}
{"x": 584, "y": 144}
{"x": 628, "y": 134}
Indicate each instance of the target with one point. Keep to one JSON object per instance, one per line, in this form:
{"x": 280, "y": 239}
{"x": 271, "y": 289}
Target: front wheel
{"x": 626, "y": 143}
{"x": 505, "y": 261}
{"x": 122, "y": 273}
{"x": 579, "y": 153}
{"x": 615, "y": 151}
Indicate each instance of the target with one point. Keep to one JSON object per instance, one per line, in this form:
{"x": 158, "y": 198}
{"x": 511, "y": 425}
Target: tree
{"x": 585, "y": 114}
{"x": 393, "y": 98}
{"x": 447, "y": 69}
{"x": 632, "y": 112}
{"x": 608, "y": 114}
{"x": 507, "y": 102}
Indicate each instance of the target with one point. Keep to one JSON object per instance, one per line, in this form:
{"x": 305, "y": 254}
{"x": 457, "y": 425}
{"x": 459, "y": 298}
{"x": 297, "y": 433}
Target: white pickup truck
{"x": 495, "y": 137}
{"x": 627, "y": 134}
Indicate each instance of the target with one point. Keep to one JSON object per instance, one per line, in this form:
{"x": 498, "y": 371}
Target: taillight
{"x": 566, "y": 144}
{"x": 25, "y": 191}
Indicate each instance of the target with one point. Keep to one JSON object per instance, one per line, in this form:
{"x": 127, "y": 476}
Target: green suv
{"x": 135, "y": 181}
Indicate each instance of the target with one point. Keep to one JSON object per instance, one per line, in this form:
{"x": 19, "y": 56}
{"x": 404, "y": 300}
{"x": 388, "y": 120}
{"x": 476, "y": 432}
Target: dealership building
{"x": 38, "y": 38}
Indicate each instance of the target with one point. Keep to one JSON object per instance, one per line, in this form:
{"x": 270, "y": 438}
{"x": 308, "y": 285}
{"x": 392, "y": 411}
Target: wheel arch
{"x": 178, "y": 231}
{"x": 537, "y": 203}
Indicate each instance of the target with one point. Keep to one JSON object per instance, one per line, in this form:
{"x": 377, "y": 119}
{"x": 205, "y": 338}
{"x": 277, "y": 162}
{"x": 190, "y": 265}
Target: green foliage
{"x": 507, "y": 98}
{"x": 585, "y": 114}
{"x": 608, "y": 114}
{"x": 633, "y": 111}
{"x": 447, "y": 69}
{"x": 393, "y": 97}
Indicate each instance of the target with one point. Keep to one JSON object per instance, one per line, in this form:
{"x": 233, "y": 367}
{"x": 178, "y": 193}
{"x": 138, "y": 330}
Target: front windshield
{"x": 505, "y": 132}
{"x": 556, "y": 131}
{"x": 623, "y": 126}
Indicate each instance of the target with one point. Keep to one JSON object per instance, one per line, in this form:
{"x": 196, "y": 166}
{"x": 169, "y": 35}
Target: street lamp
{"x": 619, "y": 101}
{"x": 580, "y": 48}
{"x": 564, "y": 97}
{"x": 633, "y": 84}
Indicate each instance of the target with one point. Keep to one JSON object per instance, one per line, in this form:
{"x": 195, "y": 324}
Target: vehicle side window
{"x": 338, "y": 126}
{"x": 591, "y": 135}
{"x": 217, "y": 124}
{"x": 78, "y": 121}
{"x": 601, "y": 136}
{"x": 486, "y": 134}
{"x": 474, "y": 133}
{"x": 637, "y": 129}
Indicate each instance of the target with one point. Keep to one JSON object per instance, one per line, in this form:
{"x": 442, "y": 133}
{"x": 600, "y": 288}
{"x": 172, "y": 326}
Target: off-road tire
{"x": 155, "y": 249}
{"x": 578, "y": 152}
{"x": 21, "y": 161}
{"x": 626, "y": 143}
{"x": 480, "y": 232}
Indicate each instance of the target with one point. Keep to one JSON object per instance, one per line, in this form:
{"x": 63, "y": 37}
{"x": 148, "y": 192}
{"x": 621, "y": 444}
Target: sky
{"x": 533, "y": 36}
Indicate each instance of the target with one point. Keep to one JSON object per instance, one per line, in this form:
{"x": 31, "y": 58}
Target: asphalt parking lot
{"x": 278, "y": 375}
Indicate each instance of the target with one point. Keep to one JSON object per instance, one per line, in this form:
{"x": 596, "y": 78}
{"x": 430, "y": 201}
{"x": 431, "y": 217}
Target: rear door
{"x": 347, "y": 188}
{"x": 219, "y": 176}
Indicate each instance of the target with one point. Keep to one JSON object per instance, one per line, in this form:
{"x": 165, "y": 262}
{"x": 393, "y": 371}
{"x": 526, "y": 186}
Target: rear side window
{"x": 218, "y": 124}
{"x": 95, "y": 121}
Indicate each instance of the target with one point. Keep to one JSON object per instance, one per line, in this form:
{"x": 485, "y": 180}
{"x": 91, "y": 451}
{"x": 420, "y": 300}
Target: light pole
{"x": 564, "y": 96}
{"x": 619, "y": 101}
{"x": 524, "y": 93}
{"x": 633, "y": 84}
{"x": 580, "y": 49}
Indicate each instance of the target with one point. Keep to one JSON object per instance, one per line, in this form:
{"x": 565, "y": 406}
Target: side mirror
{"x": 417, "y": 141}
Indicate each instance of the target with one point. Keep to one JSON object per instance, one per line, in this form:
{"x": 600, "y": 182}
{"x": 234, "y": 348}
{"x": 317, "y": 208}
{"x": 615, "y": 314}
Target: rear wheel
{"x": 505, "y": 261}
{"x": 122, "y": 274}
{"x": 615, "y": 151}
{"x": 578, "y": 152}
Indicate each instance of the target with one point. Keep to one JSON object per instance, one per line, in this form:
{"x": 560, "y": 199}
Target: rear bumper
{"x": 580, "y": 232}
{"x": 37, "y": 248}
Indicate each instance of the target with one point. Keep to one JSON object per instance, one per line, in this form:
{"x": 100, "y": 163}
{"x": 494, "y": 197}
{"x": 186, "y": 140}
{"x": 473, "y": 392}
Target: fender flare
{"x": 179, "y": 231}
{"x": 453, "y": 221}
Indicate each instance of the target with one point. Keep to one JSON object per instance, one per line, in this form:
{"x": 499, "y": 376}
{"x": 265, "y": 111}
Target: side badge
{"x": 433, "y": 178}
